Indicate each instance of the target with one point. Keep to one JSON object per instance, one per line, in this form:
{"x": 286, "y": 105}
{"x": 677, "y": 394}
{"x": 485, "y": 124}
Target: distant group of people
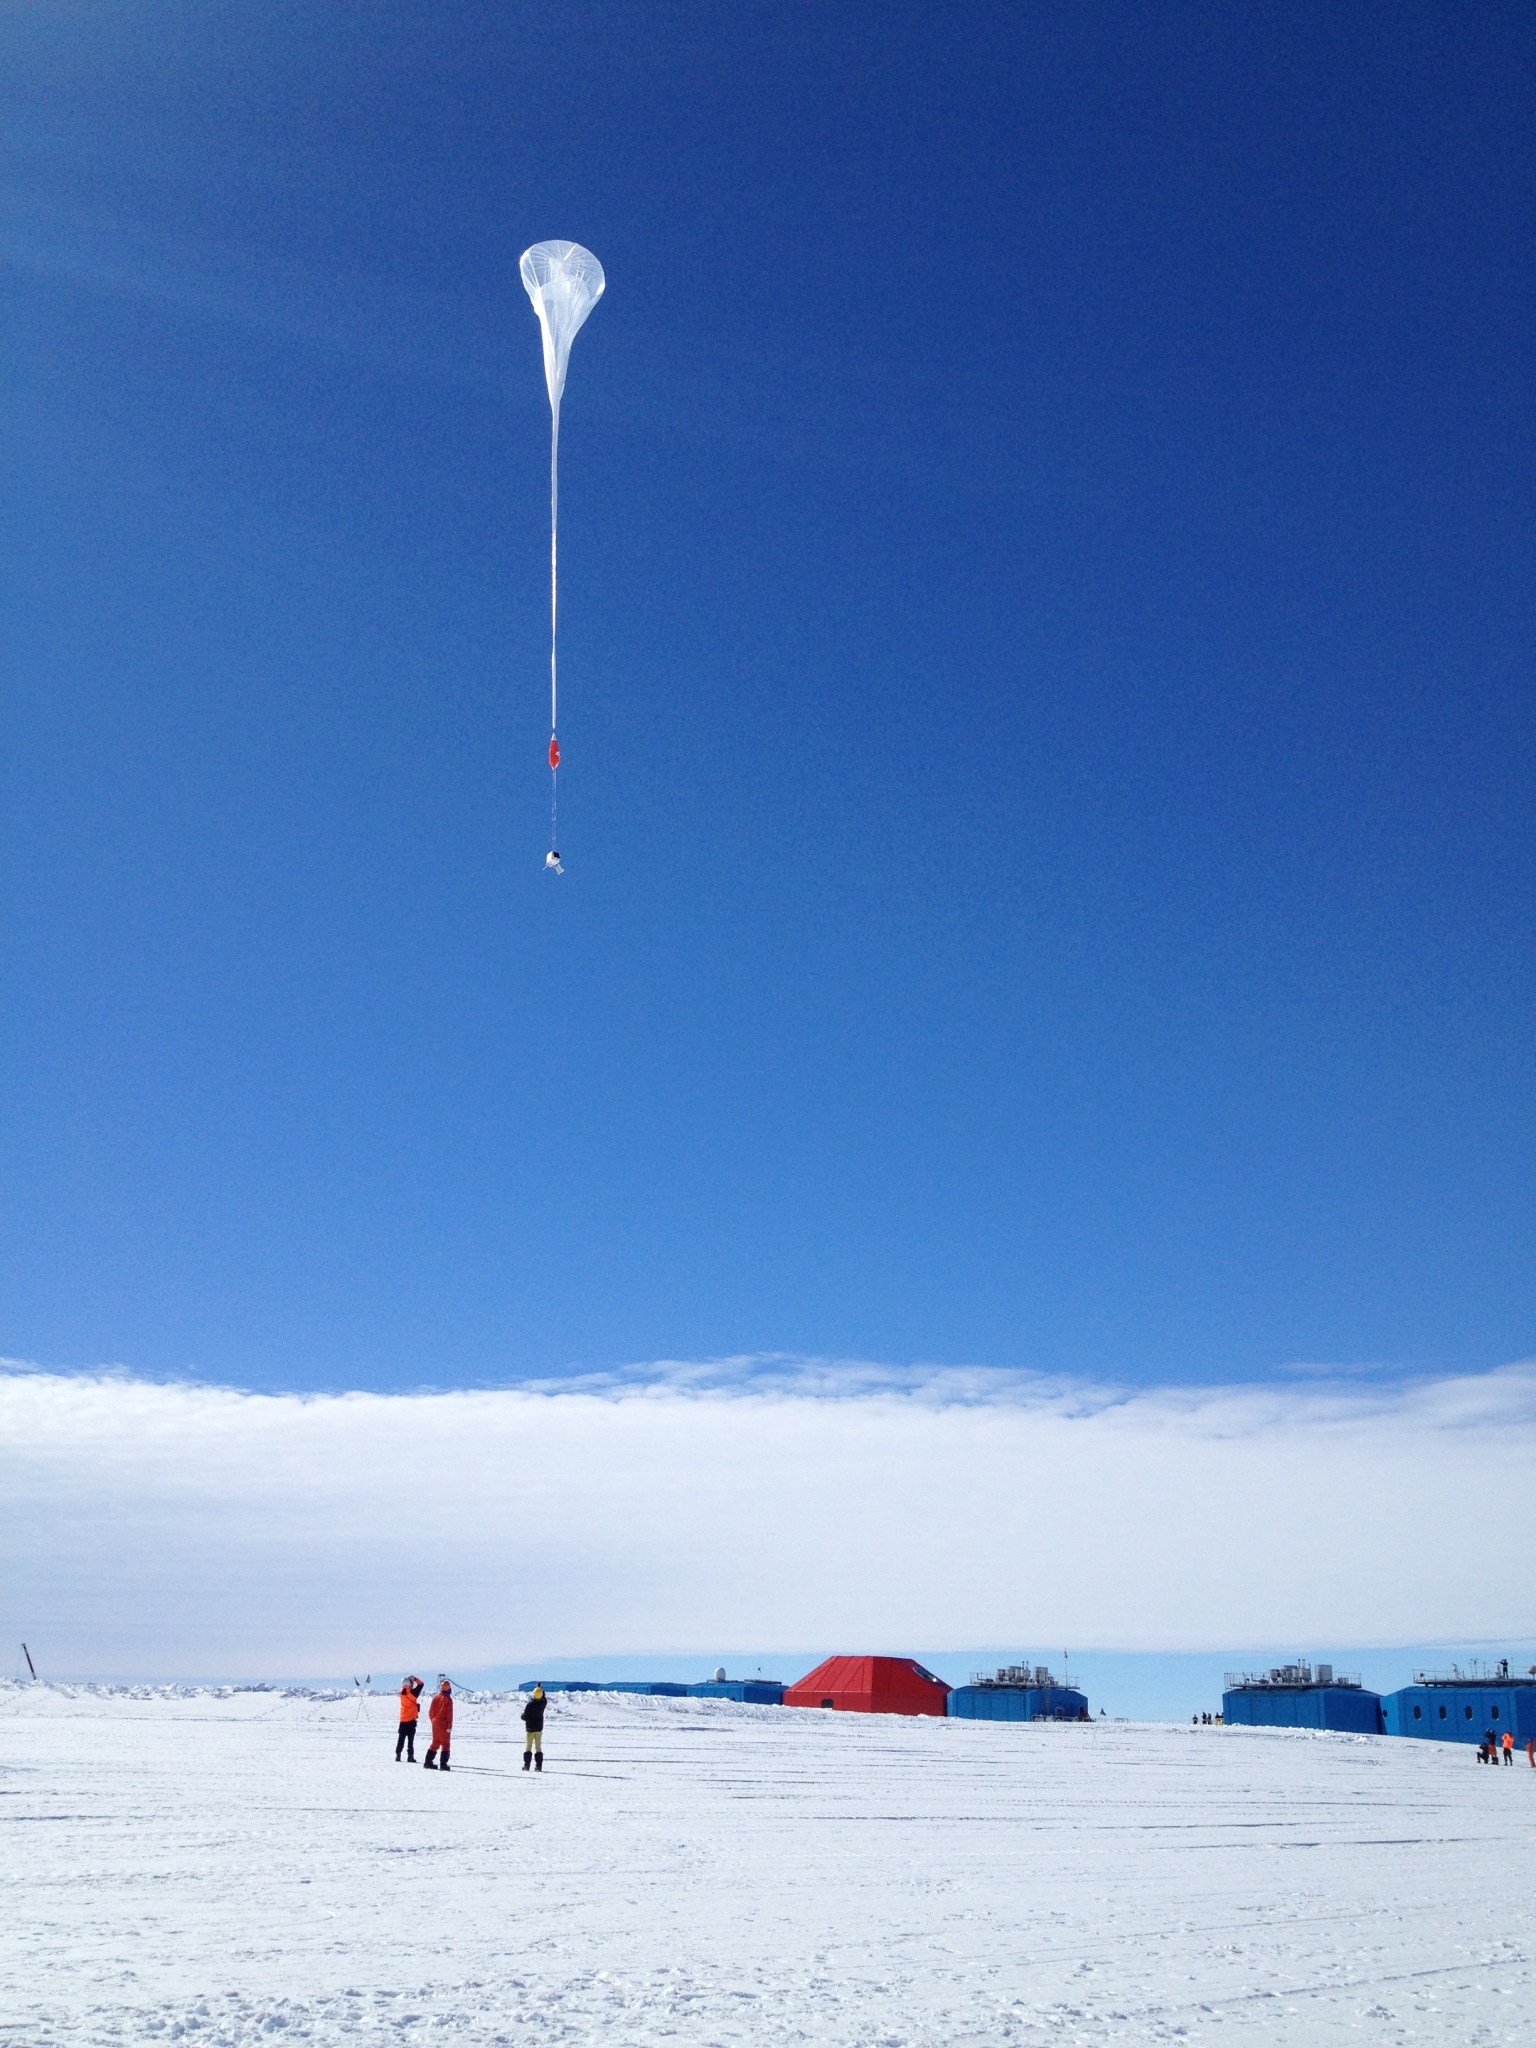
{"x": 440, "y": 1715}
{"x": 1492, "y": 1747}
{"x": 1205, "y": 1720}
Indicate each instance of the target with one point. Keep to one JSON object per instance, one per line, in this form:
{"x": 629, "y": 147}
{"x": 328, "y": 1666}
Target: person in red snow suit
{"x": 1530, "y": 1750}
{"x": 441, "y": 1715}
{"x": 410, "y": 1711}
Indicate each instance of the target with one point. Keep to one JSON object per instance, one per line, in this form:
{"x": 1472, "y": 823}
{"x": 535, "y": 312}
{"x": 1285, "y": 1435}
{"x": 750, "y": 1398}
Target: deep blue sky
{"x": 1046, "y": 624}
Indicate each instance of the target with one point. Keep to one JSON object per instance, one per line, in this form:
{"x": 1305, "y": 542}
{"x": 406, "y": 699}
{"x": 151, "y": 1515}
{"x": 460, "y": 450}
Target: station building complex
{"x": 873, "y": 1685}
{"x": 1454, "y": 1706}
{"x": 1440, "y": 1706}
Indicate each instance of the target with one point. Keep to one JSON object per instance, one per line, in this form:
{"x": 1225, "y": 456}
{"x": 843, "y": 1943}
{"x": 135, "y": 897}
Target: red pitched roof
{"x": 870, "y": 1685}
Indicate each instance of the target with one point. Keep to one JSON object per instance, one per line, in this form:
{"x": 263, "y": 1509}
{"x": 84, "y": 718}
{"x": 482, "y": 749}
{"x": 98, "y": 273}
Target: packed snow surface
{"x": 240, "y": 1867}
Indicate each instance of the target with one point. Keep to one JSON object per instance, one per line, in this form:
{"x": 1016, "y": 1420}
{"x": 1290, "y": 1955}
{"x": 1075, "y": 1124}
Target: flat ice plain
{"x": 241, "y": 1867}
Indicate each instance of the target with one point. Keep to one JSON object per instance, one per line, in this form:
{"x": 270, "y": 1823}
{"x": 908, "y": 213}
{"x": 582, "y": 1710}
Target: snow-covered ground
{"x": 253, "y": 1866}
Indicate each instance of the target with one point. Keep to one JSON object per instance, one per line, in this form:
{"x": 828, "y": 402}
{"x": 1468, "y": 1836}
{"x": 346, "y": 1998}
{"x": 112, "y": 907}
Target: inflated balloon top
{"x": 564, "y": 282}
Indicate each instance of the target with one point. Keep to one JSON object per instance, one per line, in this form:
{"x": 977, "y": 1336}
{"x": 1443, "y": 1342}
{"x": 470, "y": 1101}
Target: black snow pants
{"x": 406, "y": 1740}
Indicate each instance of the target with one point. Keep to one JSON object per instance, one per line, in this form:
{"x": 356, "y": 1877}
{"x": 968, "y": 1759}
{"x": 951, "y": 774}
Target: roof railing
{"x": 1021, "y": 1675}
{"x": 1298, "y": 1677}
{"x": 1498, "y": 1671}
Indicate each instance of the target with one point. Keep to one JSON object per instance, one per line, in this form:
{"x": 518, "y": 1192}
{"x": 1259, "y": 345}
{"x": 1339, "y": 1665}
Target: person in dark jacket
{"x": 410, "y": 1714}
{"x": 441, "y": 1715}
{"x": 533, "y": 1722}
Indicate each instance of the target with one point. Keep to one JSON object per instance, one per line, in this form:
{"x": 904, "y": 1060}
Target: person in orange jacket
{"x": 1509, "y": 1745}
{"x": 410, "y": 1713}
{"x": 441, "y": 1715}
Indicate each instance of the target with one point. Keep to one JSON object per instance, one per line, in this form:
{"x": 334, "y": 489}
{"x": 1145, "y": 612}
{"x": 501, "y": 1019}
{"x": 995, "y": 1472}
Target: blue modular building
{"x": 1461, "y": 1706}
{"x": 756, "y": 1692}
{"x": 1018, "y": 1692}
{"x": 1300, "y": 1696}
{"x": 759, "y": 1692}
{"x": 641, "y": 1685}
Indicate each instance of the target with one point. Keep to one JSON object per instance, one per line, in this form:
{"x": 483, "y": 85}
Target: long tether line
{"x": 554, "y": 590}
{"x": 554, "y": 542}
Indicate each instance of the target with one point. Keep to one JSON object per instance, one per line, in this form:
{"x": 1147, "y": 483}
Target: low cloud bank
{"x": 173, "y": 1529}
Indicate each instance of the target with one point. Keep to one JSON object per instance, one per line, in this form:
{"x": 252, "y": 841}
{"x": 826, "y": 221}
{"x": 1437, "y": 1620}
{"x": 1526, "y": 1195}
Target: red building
{"x": 870, "y": 1685}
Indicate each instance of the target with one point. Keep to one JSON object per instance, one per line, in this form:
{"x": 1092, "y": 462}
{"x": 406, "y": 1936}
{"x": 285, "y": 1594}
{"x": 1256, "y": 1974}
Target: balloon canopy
{"x": 564, "y": 282}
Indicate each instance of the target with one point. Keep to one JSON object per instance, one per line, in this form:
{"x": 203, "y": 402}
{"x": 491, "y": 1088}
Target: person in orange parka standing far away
{"x": 441, "y": 1715}
{"x": 410, "y": 1712}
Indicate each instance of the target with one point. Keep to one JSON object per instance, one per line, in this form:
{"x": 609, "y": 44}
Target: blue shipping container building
{"x": 1017, "y": 1703}
{"x": 1297, "y": 1696}
{"x": 641, "y": 1685}
{"x": 756, "y": 1692}
{"x": 1018, "y": 1692}
{"x": 1462, "y": 1706}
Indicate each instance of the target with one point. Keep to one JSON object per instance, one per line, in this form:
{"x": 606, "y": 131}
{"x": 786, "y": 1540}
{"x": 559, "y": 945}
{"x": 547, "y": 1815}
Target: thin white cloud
{"x": 353, "y": 316}
{"x": 171, "y": 1529}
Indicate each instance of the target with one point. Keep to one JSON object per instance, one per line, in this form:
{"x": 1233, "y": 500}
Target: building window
{"x": 1442, "y": 1713}
{"x": 1495, "y": 1713}
{"x": 1418, "y": 1713}
{"x": 1468, "y": 1712}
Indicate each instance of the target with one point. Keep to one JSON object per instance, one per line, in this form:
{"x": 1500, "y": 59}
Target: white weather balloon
{"x": 565, "y": 282}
